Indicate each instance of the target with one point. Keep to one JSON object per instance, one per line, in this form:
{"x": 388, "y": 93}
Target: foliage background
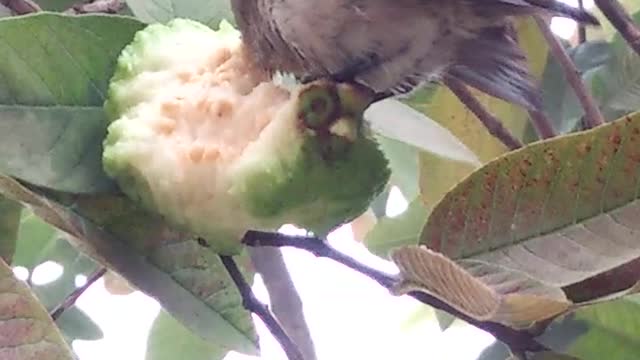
{"x": 349, "y": 316}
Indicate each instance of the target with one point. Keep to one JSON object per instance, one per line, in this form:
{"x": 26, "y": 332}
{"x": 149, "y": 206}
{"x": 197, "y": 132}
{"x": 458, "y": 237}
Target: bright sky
{"x": 350, "y": 317}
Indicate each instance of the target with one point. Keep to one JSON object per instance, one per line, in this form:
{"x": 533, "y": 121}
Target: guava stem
{"x": 251, "y": 303}
{"x": 516, "y": 340}
{"x": 592, "y": 113}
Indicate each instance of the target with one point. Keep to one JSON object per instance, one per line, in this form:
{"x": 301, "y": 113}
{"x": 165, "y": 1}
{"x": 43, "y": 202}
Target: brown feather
{"x": 394, "y": 46}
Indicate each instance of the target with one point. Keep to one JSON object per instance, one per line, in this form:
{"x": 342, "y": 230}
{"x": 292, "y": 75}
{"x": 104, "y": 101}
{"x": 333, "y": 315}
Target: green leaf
{"x": 9, "y": 224}
{"x": 28, "y": 331}
{"x": 445, "y": 320}
{"x": 616, "y": 84}
{"x": 209, "y": 12}
{"x": 53, "y": 293}
{"x": 53, "y": 82}
{"x": 390, "y": 233}
{"x": 35, "y": 240}
{"x": 40, "y": 242}
{"x": 56, "y": 147}
{"x": 560, "y": 102}
{"x": 187, "y": 279}
{"x": 169, "y": 340}
{"x": 495, "y": 351}
{"x": 75, "y": 324}
{"x": 562, "y": 210}
{"x": 379, "y": 204}
{"x": 609, "y": 330}
{"x": 403, "y": 161}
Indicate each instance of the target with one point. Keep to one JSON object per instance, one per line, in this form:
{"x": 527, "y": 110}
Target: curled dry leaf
{"x": 483, "y": 291}
{"x": 26, "y": 330}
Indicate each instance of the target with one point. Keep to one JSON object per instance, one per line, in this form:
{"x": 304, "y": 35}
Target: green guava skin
{"x": 315, "y": 165}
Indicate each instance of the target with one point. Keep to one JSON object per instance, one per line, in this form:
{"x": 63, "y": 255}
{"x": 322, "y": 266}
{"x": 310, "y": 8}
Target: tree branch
{"x": 517, "y": 340}
{"x": 71, "y": 299}
{"x": 21, "y": 7}
{"x": 621, "y": 20}
{"x": 542, "y": 124}
{"x": 593, "y": 116}
{"x": 582, "y": 29}
{"x": 251, "y": 303}
{"x": 285, "y": 301}
{"x": 492, "y": 124}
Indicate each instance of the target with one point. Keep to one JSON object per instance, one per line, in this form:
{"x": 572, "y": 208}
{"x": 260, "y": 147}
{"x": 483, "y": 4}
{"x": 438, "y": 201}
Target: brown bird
{"x": 395, "y": 46}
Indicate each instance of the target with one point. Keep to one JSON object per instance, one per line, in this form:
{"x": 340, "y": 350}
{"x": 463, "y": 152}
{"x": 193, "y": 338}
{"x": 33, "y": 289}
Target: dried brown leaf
{"x": 483, "y": 291}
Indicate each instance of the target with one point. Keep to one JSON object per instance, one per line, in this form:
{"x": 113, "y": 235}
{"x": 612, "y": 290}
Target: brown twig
{"x": 582, "y": 29}
{"x": 542, "y": 124}
{"x": 21, "y": 7}
{"x": 251, "y": 303}
{"x": 621, "y": 20}
{"x": 97, "y": 6}
{"x": 492, "y": 124}
{"x": 284, "y": 298}
{"x": 73, "y": 297}
{"x": 516, "y": 340}
{"x": 593, "y": 116}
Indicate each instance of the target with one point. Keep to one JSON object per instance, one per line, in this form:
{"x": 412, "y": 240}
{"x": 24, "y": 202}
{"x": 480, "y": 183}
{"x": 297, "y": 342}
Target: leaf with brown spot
{"x": 26, "y": 330}
{"x": 564, "y": 211}
{"x": 483, "y": 291}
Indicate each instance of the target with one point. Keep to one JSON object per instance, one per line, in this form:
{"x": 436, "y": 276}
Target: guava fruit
{"x": 198, "y": 134}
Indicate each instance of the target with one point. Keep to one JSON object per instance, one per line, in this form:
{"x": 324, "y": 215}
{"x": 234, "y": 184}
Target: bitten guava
{"x": 198, "y": 134}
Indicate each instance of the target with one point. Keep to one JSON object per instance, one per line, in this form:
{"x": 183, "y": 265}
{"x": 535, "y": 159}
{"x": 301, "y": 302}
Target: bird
{"x": 394, "y": 47}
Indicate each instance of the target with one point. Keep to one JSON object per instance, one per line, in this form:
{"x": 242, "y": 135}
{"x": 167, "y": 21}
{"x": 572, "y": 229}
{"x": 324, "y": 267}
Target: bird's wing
{"x": 523, "y": 7}
{"x": 494, "y": 63}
